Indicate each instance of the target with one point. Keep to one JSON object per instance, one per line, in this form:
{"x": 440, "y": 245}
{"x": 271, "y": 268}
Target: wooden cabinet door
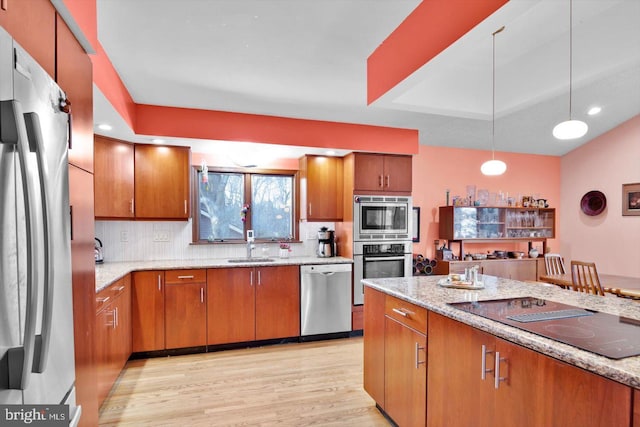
{"x": 147, "y": 311}
{"x": 33, "y": 25}
{"x": 123, "y": 325}
{"x": 113, "y": 178}
{"x": 457, "y": 393}
{"x": 74, "y": 74}
{"x": 368, "y": 172}
{"x": 405, "y": 374}
{"x": 373, "y": 332}
{"x": 397, "y": 173}
{"x": 162, "y": 182}
{"x": 230, "y": 305}
{"x": 104, "y": 318}
{"x": 185, "y": 315}
{"x": 523, "y": 270}
{"x": 83, "y": 269}
{"x": 636, "y": 408}
{"x": 322, "y": 188}
{"x": 277, "y": 302}
{"x": 555, "y": 386}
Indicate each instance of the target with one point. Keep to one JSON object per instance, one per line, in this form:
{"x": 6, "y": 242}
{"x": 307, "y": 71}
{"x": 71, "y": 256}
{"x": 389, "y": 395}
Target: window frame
{"x": 247, "y": 172}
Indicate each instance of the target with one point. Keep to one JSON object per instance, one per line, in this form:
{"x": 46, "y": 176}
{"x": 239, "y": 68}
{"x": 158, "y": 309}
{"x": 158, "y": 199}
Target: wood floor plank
{"x": 300, "y": 384}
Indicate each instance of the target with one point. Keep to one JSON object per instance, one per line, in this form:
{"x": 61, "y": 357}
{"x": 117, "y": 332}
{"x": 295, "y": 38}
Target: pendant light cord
{"x": 493, "y": 104}
{"x": 570, "y": 54}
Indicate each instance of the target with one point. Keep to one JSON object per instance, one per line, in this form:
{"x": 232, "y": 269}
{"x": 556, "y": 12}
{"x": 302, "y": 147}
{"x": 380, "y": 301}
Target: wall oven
{"x": 381, "y": 218}
{"x": 375, "y": 260}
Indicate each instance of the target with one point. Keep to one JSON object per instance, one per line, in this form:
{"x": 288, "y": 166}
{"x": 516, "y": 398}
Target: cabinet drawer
{"x": 406, "y": 313}
{"x": 109, "y": 294}
{"x": 172, "y": 277}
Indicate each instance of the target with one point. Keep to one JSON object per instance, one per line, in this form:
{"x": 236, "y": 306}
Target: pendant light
{"x": 494, "y": 167}
{"x": 570, "y": 129}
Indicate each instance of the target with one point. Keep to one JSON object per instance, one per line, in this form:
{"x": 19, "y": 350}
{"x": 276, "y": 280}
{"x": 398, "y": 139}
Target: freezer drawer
{"x": 325, "y": 299}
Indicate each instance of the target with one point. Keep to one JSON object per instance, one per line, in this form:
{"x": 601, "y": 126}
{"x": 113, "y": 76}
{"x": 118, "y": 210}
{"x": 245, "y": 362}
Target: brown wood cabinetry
{"x": 33, "y": 25}
{"x": 374, "y": 303}
{"x": 185, "y": 308}
{"x": 526, "y": 269}
{"x": 147, "y": 308}
{"x": 405, "y": 362}
{"x": 252, "y": 303}
{"x": 162, "y": 182}
{"x": 321, "y": 189}
{"x": 113, "y": 333}
{"x": 530, "y": 383}
{"x": 382, "y": 173}
{"x": 113, "y": 175}
{"x": 636, "y": 408}
{"x": 74, "y": 74}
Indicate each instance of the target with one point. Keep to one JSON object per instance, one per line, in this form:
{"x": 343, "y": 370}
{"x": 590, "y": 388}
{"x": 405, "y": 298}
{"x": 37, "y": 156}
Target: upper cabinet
{"x": 113, "y": 175}
{"x": 382, "y": 173}
{"x": 138, "y": 181}
{"x": 74, "y": 74}
{"x": 162, "y": 182}
{"x": 321, "y": 188}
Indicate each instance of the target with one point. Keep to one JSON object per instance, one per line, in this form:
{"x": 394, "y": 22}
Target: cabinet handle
{"x": 402, "y": 312}
{"x": 131, "y": 206}
{"x": 103, "y": 299}
{"x": 159, "y": 283}
{"x": 121, "y": 288}
{"x": 388, "y": 180}
{"x": 310, "y": 209}
{"x": 259, "y": 278}
{"x": 485, "y": 371}
{"x": 380, "y": 181}
{"x": 186, "y": 277}
{"x": 115, "y": 317}
{"x": 497, "y": 371}
{"x": 418, "y": 361}
{"x": 202, "y": 295}
{"x": 251, "y": 282}
{"x": 185, "y": 206}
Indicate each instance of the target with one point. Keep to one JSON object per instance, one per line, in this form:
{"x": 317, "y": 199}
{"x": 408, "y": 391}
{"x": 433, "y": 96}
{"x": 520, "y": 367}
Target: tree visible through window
{"x": 225, "y": 196}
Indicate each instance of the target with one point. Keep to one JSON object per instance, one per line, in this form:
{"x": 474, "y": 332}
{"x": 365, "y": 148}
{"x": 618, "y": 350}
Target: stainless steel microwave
{"x": 381, "y": 218}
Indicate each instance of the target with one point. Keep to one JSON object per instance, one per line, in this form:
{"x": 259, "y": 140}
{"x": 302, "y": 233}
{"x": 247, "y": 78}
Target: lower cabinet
{"x": 113, "y": 333}
{"x": 527, "y": 269}
{"x": 478, "y": 379}
{"x": 252, "y": 303}
{"x": 185, "y": 308}
{"x": 395, "y": 357}
{"x": 147, "y": 325}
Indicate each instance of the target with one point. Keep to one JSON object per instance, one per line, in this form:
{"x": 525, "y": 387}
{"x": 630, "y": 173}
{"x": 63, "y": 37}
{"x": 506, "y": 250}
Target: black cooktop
{"x": 611, "y": 336}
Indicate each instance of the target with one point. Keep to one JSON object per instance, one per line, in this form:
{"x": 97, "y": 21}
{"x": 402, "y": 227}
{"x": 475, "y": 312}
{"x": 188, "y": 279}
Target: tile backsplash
{"x": 167, "y": 240}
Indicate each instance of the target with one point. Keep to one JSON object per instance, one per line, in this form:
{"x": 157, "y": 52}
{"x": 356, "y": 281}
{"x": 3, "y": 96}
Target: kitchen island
{"x": 446, "y": 374}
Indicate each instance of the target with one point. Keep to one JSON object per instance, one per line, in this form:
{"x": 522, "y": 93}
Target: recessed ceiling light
{"x": 157, "y": 141}
{"x": 104, "y": 126}
{"x": 330, "y": 153}
{"x": 594, "y": 110}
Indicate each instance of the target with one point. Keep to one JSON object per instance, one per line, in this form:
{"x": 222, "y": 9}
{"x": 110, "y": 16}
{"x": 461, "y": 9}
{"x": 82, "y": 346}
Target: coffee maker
{"x": 326, "y": 243}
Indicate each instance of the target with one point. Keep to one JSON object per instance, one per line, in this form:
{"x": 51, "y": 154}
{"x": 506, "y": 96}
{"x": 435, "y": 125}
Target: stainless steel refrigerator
{"x": 36, "y": 308}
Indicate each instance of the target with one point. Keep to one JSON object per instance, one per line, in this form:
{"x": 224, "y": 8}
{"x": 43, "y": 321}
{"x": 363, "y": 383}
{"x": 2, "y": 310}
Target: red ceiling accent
{"x": 85, "y": 14}
{"x": 432, "y": 27}
{"x": 222, "y": 125}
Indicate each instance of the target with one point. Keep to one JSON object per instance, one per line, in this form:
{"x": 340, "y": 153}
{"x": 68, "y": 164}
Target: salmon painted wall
{"x": 610, "y": 240}
{"x": 436, "y": 169}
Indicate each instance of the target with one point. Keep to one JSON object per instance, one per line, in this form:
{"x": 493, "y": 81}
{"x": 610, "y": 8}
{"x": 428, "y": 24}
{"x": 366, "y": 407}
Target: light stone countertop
{"x": 425, "y": 292}
{"x": 109, "y": 272}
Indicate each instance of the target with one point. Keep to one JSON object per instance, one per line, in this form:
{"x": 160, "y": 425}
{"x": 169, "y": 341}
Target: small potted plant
{"x": 285, "y": 248}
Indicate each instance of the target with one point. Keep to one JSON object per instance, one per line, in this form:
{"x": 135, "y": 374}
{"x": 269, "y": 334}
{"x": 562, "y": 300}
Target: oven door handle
{"x": 384, "y": 258}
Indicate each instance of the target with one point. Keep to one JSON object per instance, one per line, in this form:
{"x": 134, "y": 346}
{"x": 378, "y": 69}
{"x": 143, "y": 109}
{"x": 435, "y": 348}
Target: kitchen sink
{"x": 240, "y": 260}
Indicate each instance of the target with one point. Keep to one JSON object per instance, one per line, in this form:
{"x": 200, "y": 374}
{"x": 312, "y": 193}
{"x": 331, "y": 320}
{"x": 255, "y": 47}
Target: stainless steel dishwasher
{"x": 325, "y": 299}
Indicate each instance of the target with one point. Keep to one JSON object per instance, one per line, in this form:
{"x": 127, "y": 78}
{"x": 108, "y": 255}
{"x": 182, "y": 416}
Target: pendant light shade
{"x": 493, "y": 167}
{"x": 570, "y": 129}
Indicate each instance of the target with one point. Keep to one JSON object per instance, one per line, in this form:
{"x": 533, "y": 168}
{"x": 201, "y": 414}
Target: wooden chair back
{"x": 554, "y": 264}
{"x": 585, "y": 278}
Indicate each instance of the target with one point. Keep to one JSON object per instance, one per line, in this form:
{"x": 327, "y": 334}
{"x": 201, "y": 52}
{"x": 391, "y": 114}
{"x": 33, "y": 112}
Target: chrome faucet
{"x": 250, "y": 245}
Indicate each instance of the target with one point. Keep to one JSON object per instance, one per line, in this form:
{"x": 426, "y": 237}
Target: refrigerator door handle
{"x": 36, "y": 144}
{"x": 20, "y": 359}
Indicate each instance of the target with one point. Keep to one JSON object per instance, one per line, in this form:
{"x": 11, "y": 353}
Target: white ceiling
{"x": 307, "y": 59}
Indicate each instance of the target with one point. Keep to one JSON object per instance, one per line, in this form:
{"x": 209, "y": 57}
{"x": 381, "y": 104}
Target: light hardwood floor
{"x": 300, "y": 384}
